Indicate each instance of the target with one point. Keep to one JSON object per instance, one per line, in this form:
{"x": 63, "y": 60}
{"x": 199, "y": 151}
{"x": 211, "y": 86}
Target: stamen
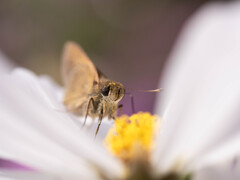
{"x": 131, "y": 135}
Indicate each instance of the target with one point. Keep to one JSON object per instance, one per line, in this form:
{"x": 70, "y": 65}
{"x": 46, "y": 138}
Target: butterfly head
{"x": 113, "y": 90}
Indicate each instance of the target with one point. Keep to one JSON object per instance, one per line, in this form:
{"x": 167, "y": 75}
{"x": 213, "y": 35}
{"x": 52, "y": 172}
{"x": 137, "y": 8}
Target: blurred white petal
{"x": 5, "y": 64}
{"x": 201, "y": 99}
{"x": 34, "y": 133}
{"x": 221, "y": 163}
{"x": 217, "y": 172}
{"x": 24, "y": 175}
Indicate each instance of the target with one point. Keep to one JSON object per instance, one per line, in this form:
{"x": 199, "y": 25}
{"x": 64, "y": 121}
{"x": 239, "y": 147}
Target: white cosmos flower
{"x": 199, "y": 107}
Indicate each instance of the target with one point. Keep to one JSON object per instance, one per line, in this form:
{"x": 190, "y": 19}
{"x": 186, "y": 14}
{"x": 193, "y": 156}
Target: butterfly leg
{"x": 99, "y": 122}
{"x": 88, "y": 106}
{"x": 132, "y": 103}
{"x": 120, "y": 107}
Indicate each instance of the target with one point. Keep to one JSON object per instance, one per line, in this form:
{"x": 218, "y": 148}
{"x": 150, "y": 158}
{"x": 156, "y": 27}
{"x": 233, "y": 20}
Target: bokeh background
{"x": 128, "y": 40}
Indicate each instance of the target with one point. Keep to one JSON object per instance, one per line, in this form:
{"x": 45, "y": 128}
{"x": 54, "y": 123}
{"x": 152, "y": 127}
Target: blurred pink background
{"x": 128, "y": 40}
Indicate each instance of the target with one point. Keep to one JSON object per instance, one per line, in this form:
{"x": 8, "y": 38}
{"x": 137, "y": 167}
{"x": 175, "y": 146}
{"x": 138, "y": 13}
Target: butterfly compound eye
{"x": 105, "y": 90}
{"x": 119, "y": 92}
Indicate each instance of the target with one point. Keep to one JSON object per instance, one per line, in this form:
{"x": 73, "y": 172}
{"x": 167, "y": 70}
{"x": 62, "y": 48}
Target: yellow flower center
{"x": 132, "y": 137}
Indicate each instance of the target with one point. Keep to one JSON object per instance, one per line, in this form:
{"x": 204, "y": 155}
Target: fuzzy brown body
{"x": 87, "y": 91}
{"x": 108, "y": 106}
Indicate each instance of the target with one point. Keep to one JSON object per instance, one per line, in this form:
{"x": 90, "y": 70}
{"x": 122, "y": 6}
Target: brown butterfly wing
{"x": 79, "y": 76}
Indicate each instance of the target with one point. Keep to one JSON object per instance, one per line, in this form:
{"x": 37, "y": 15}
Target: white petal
{"x": 33, "y": 175}
{"x": 5, "y": 64}
{"x": 221, "y": 163}
{"x": 24, "y": 175}
{"x": 200, "y": 101}
{"x": 219, "y": 172}
{"x": 32, "y": 132}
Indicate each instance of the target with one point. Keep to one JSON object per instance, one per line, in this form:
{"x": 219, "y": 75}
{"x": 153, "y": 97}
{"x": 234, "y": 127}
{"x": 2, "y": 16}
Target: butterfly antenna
{"x": 152, "y": 90}
{"x": 142, "y": 90}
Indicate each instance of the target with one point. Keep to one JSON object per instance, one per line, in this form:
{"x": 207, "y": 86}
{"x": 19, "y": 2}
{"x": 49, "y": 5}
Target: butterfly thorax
{"x": 105, "y": 106}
